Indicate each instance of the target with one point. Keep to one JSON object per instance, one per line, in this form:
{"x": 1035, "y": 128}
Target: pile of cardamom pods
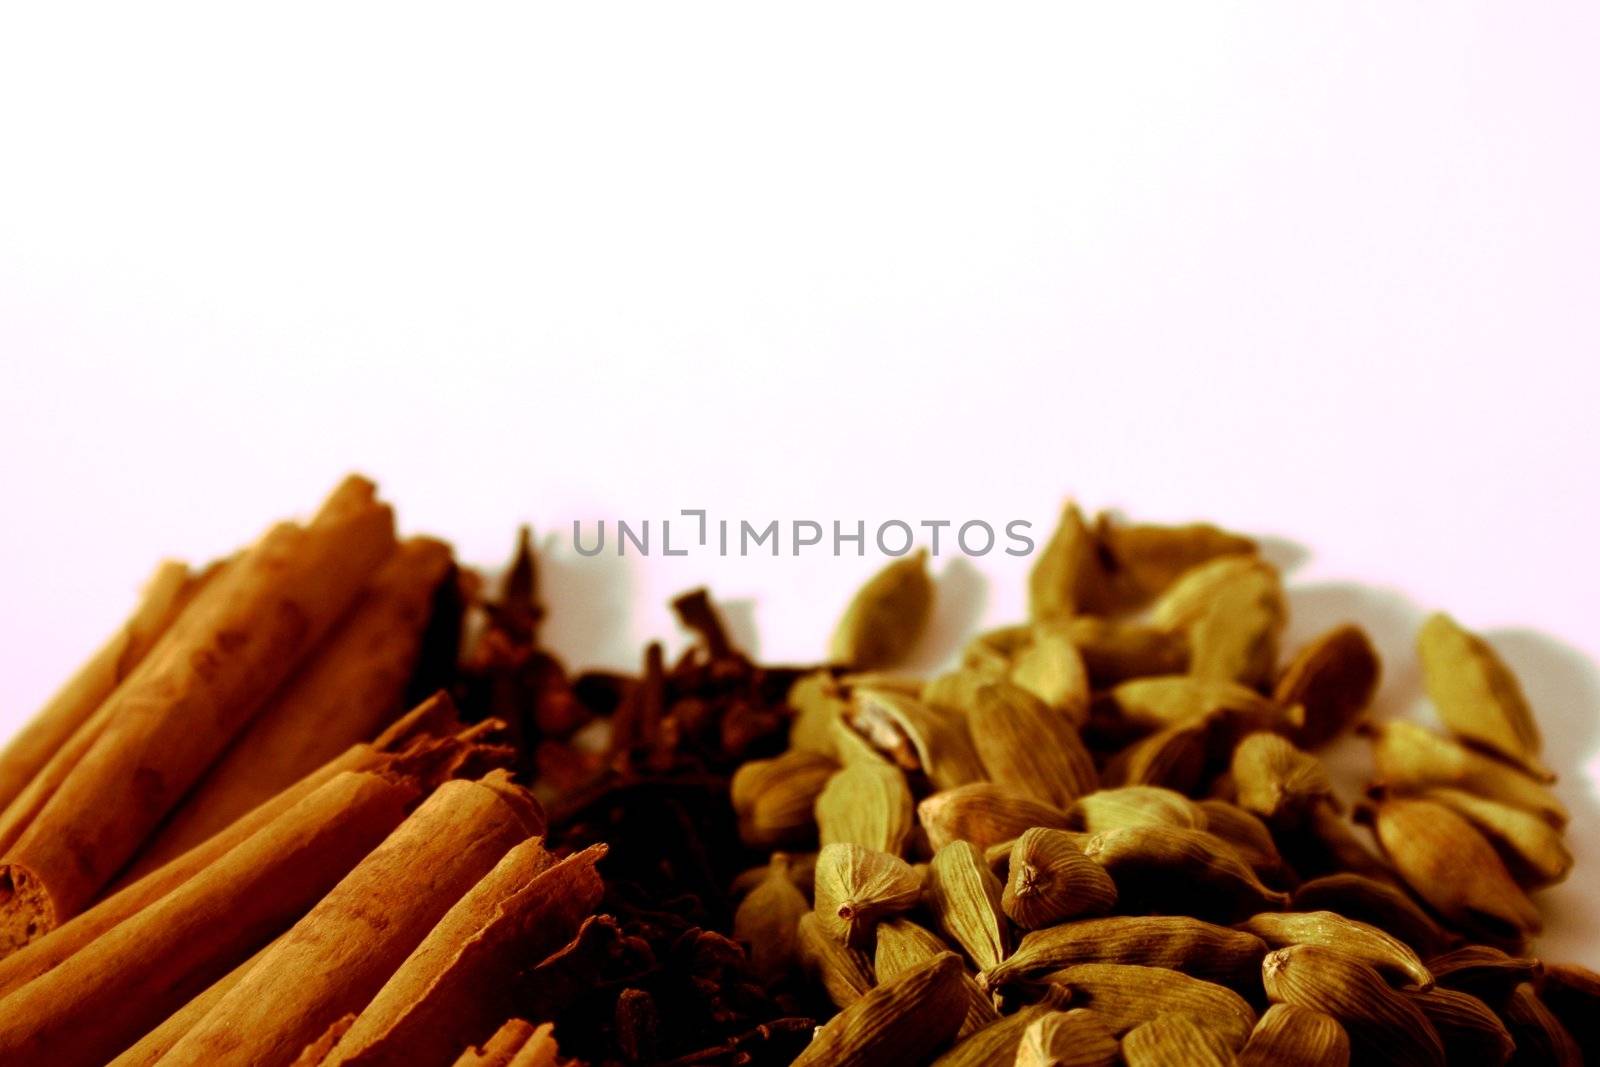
{"x": 1105, "y": 838}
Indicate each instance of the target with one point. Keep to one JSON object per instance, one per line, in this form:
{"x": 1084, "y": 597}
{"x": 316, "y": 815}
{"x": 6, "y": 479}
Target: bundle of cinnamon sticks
{"x": 284, "y": 817}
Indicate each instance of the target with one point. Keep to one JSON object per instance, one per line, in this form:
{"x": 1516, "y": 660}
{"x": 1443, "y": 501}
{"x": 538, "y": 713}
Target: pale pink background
{"x": 1325, "y": 272}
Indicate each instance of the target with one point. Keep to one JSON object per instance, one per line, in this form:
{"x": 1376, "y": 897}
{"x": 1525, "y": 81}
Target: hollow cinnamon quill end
{"x": 26, "y": 910}
{"x": 517, "y": 1041}
{"x": 437, "y": 716}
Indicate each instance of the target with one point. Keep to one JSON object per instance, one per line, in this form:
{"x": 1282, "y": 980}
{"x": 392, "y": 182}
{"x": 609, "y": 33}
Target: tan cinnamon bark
{"x": 100, "y": 1001}
{"x": 184, "y": 703}
{"x": 428, "y": 745}
{"x": 19, "y": 814}
{"x": 419, "y": 748}
{"x": 516, "y": 1044}
{"x": 336, "y": 958}
{"x": 163, "y": 597}
{"x": 152, "y": 1046}
{"x": 459, "y": 983}
{"x": 348, "y": 690}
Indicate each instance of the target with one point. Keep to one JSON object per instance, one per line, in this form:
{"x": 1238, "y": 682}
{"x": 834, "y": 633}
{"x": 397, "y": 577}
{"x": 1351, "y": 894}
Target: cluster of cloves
{"x": 1104, "y": 836}
{"x": 642, "y": 764}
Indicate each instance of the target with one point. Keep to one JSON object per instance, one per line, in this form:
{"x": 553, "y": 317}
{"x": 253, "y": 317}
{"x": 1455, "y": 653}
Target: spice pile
{"x": 1103, "y": 838}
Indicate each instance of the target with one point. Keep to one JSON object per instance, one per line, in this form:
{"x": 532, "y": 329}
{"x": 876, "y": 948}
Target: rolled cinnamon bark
{"x": 18, "y": 815}
{"x": 152, "y": 1046}
{"x": 419, "y": 749}
{"x": 459, "y": 983}
{"x": 163, "y": 597}
{"x": 100, "y": 1001}
{"x": 333, "y": 961}
{"x": 185, "y": 701}
{"x": 516, "y": 1044}
{"x": 349, "y": 689}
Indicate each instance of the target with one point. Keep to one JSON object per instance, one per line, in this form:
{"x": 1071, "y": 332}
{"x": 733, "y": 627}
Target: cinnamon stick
{"x": 209, "y": 588}
{"x": 516, "y": 1044}
{"x": 418, "y": 748}
{"x": 105, "y": 997}
{"x": 149, "y": 1049}
{"x": 163, "y": 597}
{"x": 352, "y": 685}
{"x": 336, "y": 958}
{"x": 459, "y": 983}
{"x": 184, "y": 702}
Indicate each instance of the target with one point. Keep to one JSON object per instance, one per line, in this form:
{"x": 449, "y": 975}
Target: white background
{"x": 1321, "y": 272}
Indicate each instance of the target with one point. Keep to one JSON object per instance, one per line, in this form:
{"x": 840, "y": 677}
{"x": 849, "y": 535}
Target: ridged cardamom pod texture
{"x": 1486, "y": 972}
{"x": 998, "y": 855}
{"x": 818, "y": 702}
{"x": 1162, "y": 868}
{"x": 1126, "y": 995}
{"x": 1408, "y": 756}
{"x": 1476, "y": 695}
{"x": 1538, "y": 1034}
{"x": 1159, "y": 702}
{"x": 1232, "y": 610}
{"x": 1275, "y": 780}
{"x": 996, "y": 1043}
{"x": 1290, "y": 1036}
{"x": 903, "y": 945}
{"x": 1114, "y": 813}
{"x": 1449, "y": 864}
{"x": 1249, "y": 837}
{"x": 855, "y": 887}
{"x": 983, "y": 813}
{"x": 1050, "y": 668}
{"x": 1376, "y": 903}
{"x": 1392, "y": 957}
{"x": 1147, "y": 559}
{"x": 883, "y": 621}
{"x": 1135, "y": 805}
{"x": 1532, "y": 849}
{"x": 1470, "y": 1031}
{"x": 1078, "y": 1037}
{"x": 991, "y": 652}
{"x": 845, "y": 973}
{"x": 867, "y": 805}
{"x": 1050, "y": 879}
{"x": 1114, "y": 651}
{"x": 964, "y": 895}
{"x": 1068, "y": 577}
{"x": 915, "y": 736}
{"x": 1174, "y": 757}
{"x": 1175, "y": 1040}
{"x": 1383, "y": 1024}
{"x": 1322, "y": 841}
{"x": 1030, "y": 747}
{"x": 956, "y": 692}
{"x": 774, "y": 798}
{"x": 1333, "y": 680}
{"x": 902, "y": 1021}
{"x": 767, "y": 920}
{"x": 1175, "y": 942}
